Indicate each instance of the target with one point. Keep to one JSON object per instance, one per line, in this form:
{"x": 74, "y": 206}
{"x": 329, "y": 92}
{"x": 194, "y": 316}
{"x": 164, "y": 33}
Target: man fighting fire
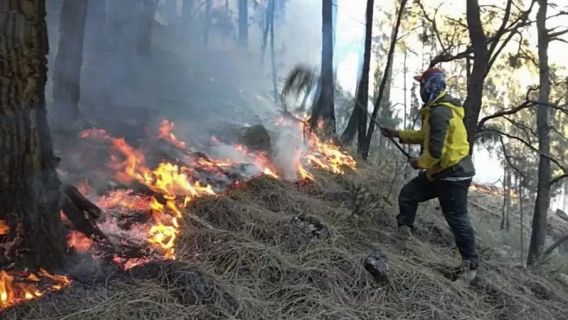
{"x": 445, "y": 164}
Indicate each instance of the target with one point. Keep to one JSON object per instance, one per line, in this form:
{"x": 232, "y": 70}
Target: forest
{"x": 254, "y": 159}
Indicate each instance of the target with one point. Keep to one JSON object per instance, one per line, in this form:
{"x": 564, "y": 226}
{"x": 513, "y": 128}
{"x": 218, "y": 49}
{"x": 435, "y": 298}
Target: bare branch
{"x": 502, "y": 113}
{"x": 558, "y": 179}
{"x": 508, "y": 158}
{"x": 432, "y": 20}
{"x": 553, "y": 36}
{"x": 530, "y": 146}
{"x": 502, "y": 27}
{"x": 528, "y": 131}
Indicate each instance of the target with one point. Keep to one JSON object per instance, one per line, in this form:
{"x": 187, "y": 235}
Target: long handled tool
{"x": 399, "y": 147}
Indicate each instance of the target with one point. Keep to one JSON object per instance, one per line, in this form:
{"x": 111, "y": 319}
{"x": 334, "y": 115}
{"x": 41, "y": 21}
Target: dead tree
{"x": 68, "y": 62}
{"x": 29, "y": 186}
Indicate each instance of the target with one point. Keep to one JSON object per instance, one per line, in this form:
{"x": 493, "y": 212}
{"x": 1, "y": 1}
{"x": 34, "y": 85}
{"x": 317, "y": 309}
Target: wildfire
{"x": 79, "y": 241}
{"x": 4, "y": 228}
{"x": 19, "y": 287}
{"x": 123, "y": 199}
{"x": 165, "y": 133}
{"x": 176, "y": 185}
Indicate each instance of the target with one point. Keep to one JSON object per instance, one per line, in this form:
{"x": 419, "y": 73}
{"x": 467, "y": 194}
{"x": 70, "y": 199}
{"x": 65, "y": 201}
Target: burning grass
{"x": 247, "y": 256}
{"x": 275, "y": 248}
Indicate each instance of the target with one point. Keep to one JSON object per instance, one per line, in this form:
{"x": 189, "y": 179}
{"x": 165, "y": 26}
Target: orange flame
{"x": 123, "y": 199}
{"x": 79, "y": 241}
{"x": 4, "y": 228}
{"x": 178, "y": 186}
{"x": 15, "y": 289}
{"x": 165, "y": 133}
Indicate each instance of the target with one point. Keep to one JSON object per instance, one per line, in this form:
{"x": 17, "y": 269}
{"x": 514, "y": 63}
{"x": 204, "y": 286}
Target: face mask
{"x": 423, "y": 94}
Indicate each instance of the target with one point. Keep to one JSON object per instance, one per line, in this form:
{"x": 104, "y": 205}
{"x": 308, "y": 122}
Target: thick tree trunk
{"x": 542, "y": 203}
{"x": 325, "y": 107}
{"x": 67, "y": 69}
{"x": 476, "y": 79}
{"x": 358, "y": 121}
{"x": 381, "y": 93}
{"x": 243, "y": 23}
{"x": 29, "y": 186}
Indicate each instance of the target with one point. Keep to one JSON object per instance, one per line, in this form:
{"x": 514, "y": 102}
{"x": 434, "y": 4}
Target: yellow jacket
{"x": 443, "y": 137}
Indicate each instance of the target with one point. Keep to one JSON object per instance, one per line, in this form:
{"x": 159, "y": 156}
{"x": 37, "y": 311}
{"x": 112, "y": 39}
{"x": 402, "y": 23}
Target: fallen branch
{"x": 555, "y": 245}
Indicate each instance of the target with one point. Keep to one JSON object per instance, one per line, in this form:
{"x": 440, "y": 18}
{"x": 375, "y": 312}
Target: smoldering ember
{"x": 275, "y": 159}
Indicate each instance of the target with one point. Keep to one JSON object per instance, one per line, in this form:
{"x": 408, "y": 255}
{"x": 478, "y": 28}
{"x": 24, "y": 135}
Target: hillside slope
{"x": 258, "y": 260}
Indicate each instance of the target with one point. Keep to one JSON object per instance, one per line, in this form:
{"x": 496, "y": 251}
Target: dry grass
{"x": 270, "y": 269}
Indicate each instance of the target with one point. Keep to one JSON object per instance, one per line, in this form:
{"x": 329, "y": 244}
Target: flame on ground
{"x": 4, "y": 228}
{"x": 165, "y": 133}
{"x": 78, "y": 241}
{"x": 17, "y": 288}
{"x": 178, "y": 185}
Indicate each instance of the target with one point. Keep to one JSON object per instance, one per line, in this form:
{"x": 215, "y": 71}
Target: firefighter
{"x": 446, "y": 167}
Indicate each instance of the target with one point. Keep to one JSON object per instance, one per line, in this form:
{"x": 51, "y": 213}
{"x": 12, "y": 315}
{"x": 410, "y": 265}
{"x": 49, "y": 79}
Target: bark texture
{"x": 476, "y": 79}
{"x": 542, "y": 203}
{"x": 67, "y": 72}
{"x": 358, "y": 121}
{"x": 324, "y": 108}
{"x": 381, "y": 93}
{"x": 29, "y": 186}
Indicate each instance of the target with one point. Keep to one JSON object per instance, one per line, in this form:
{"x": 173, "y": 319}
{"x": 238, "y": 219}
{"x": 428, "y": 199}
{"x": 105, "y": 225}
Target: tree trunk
{"x": 272, "y": 51}
{"x": 67, "y": 69}
{"x": 476, "y": 79}
{"x": 505, "y": 225}
{"x": 358, "y": 121}
{"x": 379, "y": 99}
{"x": 207, "y": 26}
{"x": 324, "y": 108}
{"x": 243, "y": 23}
{"x": 522, "y": 218}
{"x": 542, "y": 202}
{"x": 146, "y": 26}
{"x": 29, "y": 186}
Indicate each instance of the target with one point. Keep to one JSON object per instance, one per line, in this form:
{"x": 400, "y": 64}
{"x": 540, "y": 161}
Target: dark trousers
{"x": 453, "y": 200}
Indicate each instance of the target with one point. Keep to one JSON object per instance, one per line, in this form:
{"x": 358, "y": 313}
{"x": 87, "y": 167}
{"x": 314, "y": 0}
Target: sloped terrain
{"x": 277, "y": 250}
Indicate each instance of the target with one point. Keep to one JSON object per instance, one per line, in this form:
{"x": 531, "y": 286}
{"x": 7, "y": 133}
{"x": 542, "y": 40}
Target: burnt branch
{"x": 555, "y": 245}
{"x": 82, "y": 203}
